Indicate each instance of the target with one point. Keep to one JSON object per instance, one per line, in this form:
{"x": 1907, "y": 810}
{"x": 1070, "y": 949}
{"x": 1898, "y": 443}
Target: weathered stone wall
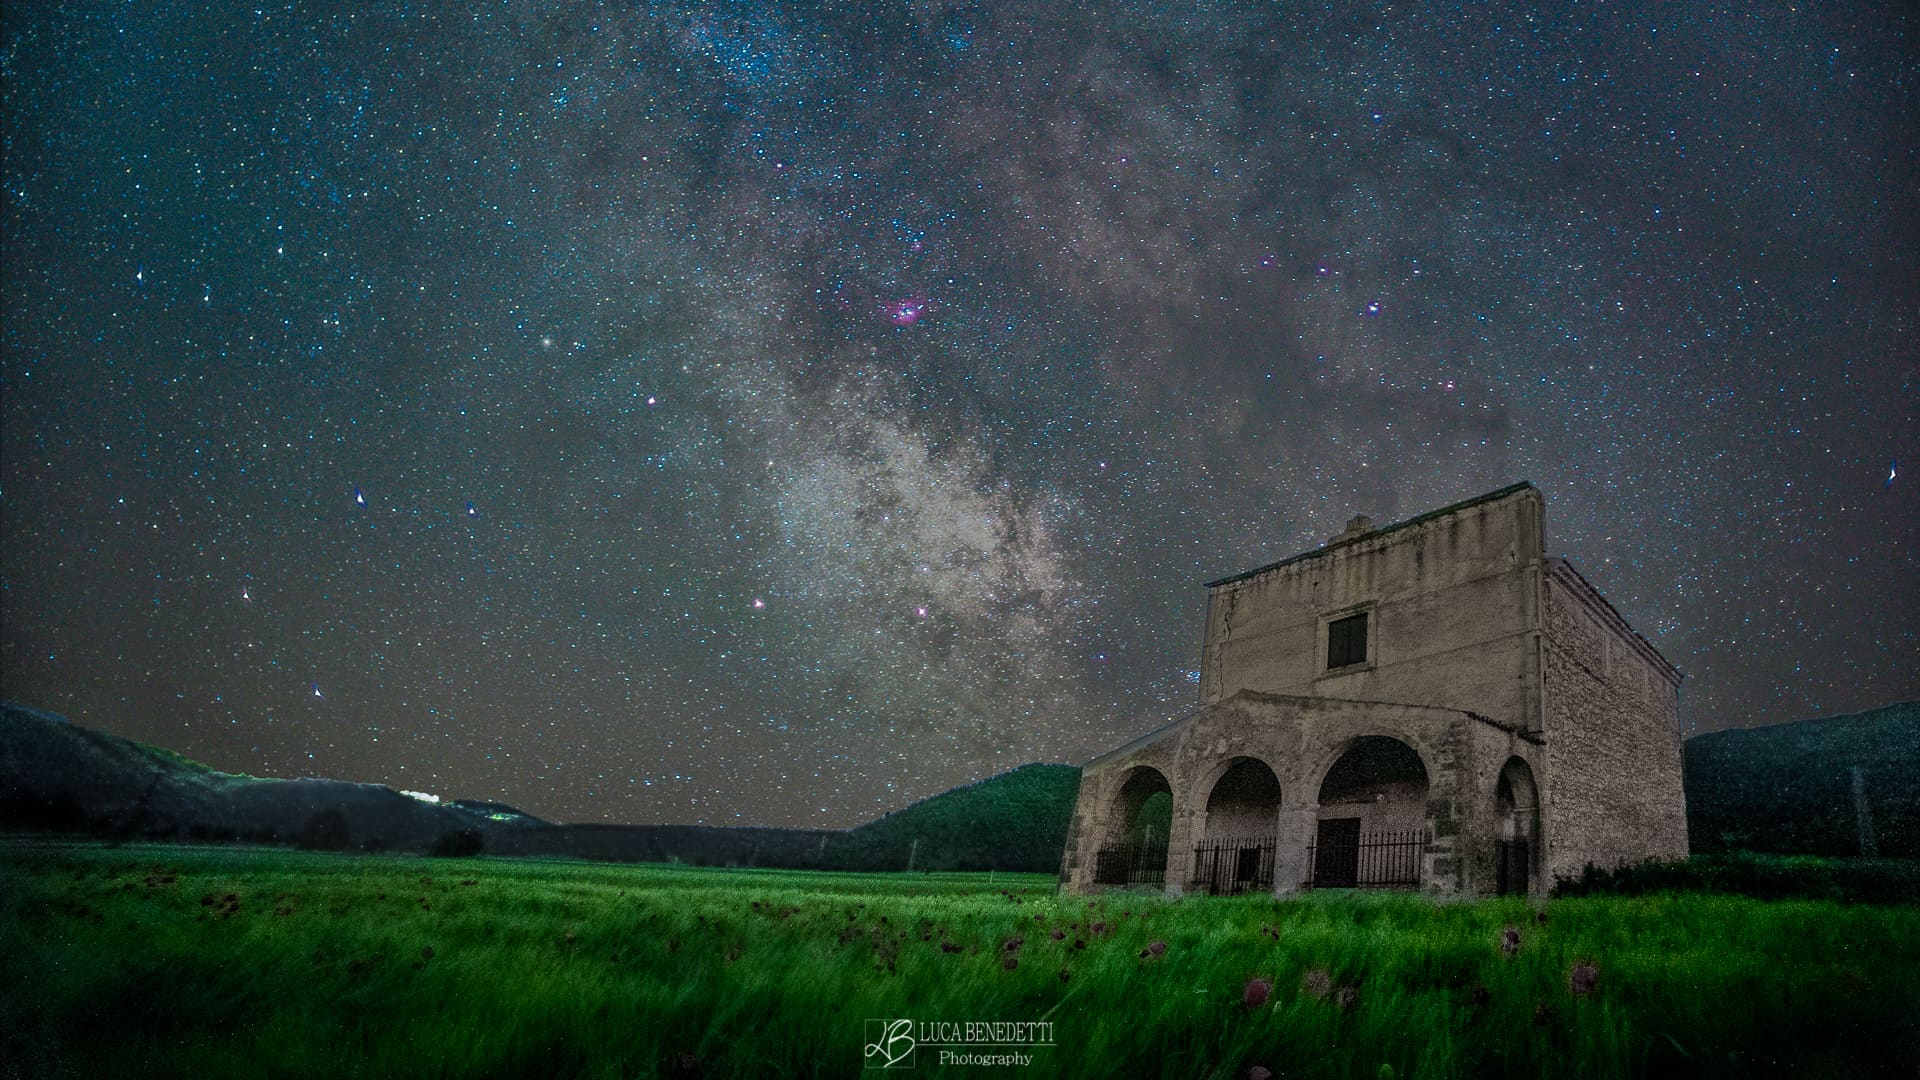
{"x": 1450, "y": 603}
{"x": 1612, "y": 790}
{"x": 1488, "y": 750}
{"x": 1228, "y": 818}
{"x": 1402, "y": 807}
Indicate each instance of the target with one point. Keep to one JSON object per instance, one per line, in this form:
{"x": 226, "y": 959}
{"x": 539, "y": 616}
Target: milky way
{"x": 776, "y": 413}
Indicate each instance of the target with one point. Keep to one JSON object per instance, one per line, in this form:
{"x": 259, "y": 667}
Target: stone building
{"x": 1435, "y": 704}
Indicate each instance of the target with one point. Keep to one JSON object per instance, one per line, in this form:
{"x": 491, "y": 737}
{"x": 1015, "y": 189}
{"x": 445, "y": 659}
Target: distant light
{"x": 758, "y": 603}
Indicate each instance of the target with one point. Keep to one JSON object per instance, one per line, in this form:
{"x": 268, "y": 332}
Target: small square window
{"x": 1347, "y": 641}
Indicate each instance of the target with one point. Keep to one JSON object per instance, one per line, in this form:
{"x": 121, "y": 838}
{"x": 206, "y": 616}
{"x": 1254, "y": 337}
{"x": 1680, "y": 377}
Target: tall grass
{"x": 214, "y": 963}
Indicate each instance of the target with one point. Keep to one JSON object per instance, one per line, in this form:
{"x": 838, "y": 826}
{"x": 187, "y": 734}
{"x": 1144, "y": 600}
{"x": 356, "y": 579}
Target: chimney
{"x": 1358, "y": 526}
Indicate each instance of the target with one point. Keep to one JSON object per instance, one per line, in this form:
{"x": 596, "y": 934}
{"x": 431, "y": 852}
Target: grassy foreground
{"x": 166, "y": 961}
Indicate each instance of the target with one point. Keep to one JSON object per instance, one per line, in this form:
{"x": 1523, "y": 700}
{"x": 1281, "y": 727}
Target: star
{"x": 907, "y": 311}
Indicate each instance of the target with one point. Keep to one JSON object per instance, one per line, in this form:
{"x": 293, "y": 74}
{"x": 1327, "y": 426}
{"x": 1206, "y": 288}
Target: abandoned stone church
{"x": 1434, "y": 705}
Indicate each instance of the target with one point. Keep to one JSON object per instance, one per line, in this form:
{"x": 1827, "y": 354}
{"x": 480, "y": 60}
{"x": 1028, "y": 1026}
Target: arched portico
{"x": 1258, "y": 766}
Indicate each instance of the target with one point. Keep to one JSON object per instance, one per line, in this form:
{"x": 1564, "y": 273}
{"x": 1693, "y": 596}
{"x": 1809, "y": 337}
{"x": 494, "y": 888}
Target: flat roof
{"x": 1510, "y": 489}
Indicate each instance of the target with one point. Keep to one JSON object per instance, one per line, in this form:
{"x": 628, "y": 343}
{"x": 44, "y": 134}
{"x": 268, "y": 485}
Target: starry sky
{"x": 775, "y": 413}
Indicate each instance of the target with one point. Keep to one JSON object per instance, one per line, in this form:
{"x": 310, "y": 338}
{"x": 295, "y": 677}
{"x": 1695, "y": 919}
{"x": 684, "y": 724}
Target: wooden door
{"x": 1336, "y": 857}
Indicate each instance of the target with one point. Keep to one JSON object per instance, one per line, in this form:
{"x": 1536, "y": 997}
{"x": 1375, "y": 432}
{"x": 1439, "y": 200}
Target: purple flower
{"x": 1255, "y": 995}
{"x": 1584, "y": 980}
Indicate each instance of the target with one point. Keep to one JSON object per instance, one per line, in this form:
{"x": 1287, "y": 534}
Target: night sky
{"x": 744, "y": 413}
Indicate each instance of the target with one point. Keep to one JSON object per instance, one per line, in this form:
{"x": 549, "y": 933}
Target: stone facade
{"x": 1435, "y": 704}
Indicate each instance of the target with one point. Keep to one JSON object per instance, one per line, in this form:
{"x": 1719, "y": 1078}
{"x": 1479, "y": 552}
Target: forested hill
{"x": 1790, "y": 787}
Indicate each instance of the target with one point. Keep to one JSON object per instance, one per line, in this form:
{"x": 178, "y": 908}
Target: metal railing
{"x": 1367, "y": 861}
{"x": 1130, "y": 865}
{"x": 1227, "y": 866}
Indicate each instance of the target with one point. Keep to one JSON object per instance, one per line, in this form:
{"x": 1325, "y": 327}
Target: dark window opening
{"x": 1347, "y": 641}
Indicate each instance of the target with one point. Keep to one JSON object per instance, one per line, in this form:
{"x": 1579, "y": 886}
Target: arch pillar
{"x": 1188, "y": 825}
{"x": 1294, "y": 834}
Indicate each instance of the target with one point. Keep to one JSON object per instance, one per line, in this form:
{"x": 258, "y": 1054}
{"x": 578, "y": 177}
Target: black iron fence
{"x": 1222, "y": 867}
{"x": 1354, "y": 860}
{"x": 1130, "y": 865}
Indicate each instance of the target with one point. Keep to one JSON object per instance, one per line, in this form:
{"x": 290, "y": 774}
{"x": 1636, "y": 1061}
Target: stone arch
{"x": 1138, "y": 813}
{"x": 1243, "y": 800}
{"x": 1372, "y": 815}
{"x": 1140, "y": 810}
{"x": 1239, "y": 828}
{"x": 1516, "y": 805}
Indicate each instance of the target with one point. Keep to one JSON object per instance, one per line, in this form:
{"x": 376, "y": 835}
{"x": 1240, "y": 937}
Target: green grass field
{"x": 166, "y": 961}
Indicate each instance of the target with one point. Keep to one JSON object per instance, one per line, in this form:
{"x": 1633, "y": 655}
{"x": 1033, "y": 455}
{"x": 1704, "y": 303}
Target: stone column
{"x": 1186, "y": 830}
{"x": 1294, "y": 832}
{"x": 1090, "y": 824}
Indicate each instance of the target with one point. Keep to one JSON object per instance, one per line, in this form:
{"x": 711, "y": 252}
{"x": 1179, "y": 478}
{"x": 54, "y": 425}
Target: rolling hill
{"x": 58, "y": 776}
{"x": 1789, "y": 788}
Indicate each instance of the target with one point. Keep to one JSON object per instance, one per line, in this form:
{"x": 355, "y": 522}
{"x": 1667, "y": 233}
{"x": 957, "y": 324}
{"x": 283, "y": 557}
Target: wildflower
{"x": 1158, "y": 948}
{"x": 1584, "y": 980}
{"x": 1510, "y": 940}
{"x": 1347, "y": 998}
{"x": 1255, "y": 995}
{"x": 1317, "y": 984}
